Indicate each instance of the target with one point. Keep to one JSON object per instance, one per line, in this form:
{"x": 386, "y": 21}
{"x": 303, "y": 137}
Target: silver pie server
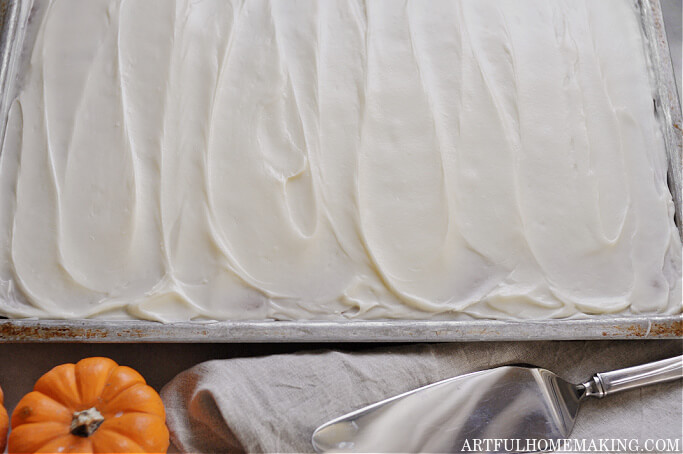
{"x": 510, "y": 402}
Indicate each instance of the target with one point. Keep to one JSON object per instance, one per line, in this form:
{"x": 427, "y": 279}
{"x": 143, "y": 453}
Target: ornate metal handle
{"x": 605, "y": 383}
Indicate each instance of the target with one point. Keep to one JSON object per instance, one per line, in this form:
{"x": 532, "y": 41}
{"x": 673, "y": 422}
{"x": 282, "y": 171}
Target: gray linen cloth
{"x": 274, "y": 403}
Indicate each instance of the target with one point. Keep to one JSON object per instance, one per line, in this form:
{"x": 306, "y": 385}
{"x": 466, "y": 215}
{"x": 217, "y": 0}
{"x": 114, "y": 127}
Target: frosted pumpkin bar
{"x": 185, "y": 160}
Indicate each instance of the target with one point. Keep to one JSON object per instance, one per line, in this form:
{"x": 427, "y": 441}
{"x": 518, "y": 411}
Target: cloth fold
{"x": 274, "y": 403}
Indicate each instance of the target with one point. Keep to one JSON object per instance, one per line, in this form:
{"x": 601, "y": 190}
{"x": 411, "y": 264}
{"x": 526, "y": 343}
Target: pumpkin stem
{"x": 86, "y": 422}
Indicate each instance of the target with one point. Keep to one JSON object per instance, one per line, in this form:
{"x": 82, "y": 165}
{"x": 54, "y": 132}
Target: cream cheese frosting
{"x": 223, "y": 159}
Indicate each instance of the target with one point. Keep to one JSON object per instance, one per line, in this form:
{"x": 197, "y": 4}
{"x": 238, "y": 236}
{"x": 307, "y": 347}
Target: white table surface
{"x": 22, "y": 364}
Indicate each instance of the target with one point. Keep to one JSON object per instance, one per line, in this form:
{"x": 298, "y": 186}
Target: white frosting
{"x": 215, "y": 159}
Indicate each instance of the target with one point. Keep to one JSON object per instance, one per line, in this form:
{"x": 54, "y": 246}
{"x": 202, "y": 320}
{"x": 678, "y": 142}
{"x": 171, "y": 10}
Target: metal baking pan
{"x": 14, "y": 23}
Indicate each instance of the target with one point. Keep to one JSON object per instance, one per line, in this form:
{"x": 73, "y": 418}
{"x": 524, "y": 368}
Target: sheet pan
{"x": 15, "y": 25}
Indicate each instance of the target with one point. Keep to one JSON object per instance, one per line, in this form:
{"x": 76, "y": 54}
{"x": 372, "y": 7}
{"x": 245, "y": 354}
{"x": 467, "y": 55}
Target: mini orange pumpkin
{"x": 4, "y": 422}
{"x": 94, "y": 406}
